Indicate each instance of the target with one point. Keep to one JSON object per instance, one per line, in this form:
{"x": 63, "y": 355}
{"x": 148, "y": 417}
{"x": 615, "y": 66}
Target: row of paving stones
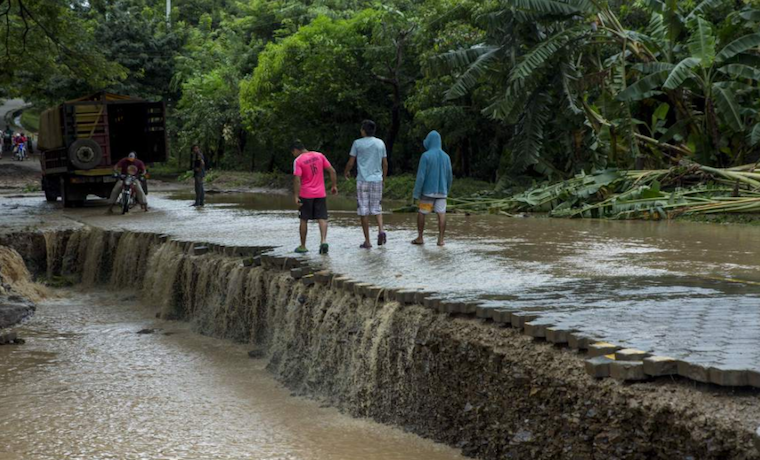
{"x": 603, "y": 359}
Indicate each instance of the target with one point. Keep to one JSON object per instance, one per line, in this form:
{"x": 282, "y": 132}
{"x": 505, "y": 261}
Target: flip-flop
{"x": 365, "y": 246}
{"x": 419, "y": 243}
{"x": 382, "y": 238}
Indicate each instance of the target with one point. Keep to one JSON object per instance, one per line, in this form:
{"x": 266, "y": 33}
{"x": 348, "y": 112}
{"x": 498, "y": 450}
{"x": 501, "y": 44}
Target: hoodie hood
{"x": 432, "y": 141}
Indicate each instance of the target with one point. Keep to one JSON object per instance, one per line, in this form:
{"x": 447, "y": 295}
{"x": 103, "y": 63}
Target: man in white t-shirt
{"x": 371, "y": 159}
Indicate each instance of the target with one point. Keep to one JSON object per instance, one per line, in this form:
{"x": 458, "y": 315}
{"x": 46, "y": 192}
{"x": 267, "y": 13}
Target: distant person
{"x": 199, "y": 173}
{"x": 129, "y": 165}
{"x": 434, "y": 179}
{"x": 371, "y": 159}
{"x": 309, "y": 191}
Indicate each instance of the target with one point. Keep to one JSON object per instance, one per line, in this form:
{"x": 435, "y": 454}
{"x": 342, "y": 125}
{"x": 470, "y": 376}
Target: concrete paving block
{"x": 308, "y": 280}
{"x": 598, "y": 367}
{"x": 324, "y": 277}
{"x": 630, "y": 354}
{"x": 455, "y": 307}
{"x": 601, "y": 349}
{"x": 482, "y": 311}
{"x": 348, "y": 285}
{"x": 753, "y": 378}
{"x": 502, "y": 316}
{"x": 728, "y": 377}
{"x": 339, "y": 281}
{"x": 520, "y": 318}
{"x": 373, "y": 292}
{"x": 163, "y": 238}
{"x": 431, "y": 303}
{"x": 200, "y": 250}
{"x": 267, "y": 260}
{"x": 660, "y": 365}
{"x": 420, "y": 296}
{"x": 627, "y": 371}
{"x": 405, "y": 296}
{"x": 556, "y": 336}
{"x": 296, "y": 273}
{"x": 537, "y": 331}
{"x": 693, "y": 371}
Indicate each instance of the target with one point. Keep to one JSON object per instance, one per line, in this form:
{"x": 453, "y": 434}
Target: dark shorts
{"x": 313, "y": 209}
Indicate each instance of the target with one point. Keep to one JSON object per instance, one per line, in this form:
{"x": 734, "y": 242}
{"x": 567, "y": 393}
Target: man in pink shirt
{"x": 309, "y": 191}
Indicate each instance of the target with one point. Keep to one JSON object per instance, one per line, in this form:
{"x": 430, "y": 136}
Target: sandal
{"x": 382, "y": 238}
{"x": 365, "y": 245}
{"x": 301, "y": 250}
{"x": 417, "y": 242}
{"x": 324, "y": 248}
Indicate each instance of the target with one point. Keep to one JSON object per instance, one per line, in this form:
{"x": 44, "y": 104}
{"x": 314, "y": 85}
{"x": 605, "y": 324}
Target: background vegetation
{"x": 521, "y": 90}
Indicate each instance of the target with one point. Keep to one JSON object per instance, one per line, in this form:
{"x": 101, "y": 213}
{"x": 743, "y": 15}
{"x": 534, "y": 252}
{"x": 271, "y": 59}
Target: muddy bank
{"x": 17, "y": 289}
{"x": 472, "y": 384}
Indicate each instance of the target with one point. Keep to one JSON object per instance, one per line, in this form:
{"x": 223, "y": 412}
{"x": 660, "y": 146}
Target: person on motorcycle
{"x": 129, "y": 165}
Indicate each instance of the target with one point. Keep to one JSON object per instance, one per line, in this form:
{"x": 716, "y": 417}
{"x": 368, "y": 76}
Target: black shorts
{"x": 313, "y": 209}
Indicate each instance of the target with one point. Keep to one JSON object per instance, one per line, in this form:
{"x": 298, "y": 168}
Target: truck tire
{"x": 85, "y": 154}
{"x": 50, "y": 194}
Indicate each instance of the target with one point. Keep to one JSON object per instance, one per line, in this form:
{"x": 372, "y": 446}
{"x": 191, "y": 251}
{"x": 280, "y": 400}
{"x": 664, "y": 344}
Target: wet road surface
{"x": 665, "y": 287}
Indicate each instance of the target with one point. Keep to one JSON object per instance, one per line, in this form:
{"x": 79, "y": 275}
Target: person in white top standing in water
{"x": 371, "y": 159}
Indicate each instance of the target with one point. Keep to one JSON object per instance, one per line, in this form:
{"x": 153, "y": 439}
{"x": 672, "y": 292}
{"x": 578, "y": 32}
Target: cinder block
{"x": 578, "y": 341}
{"x": 455, "y": 307}
{"x": 693, "y": 371}
{"x": 339, "y": 281}
{"x": 520, "y": 318}
{"x": 630, "y": 354}
{"x": 627, "y": 371}
{"x": 374, "y": 292}
{"x": 728, "y": 377}
{"x": 482, "y": 312}
{"x": 308, "y": 280}
{"x": 406, "y": 297}
{"x": 556, "y": 336}
{"x": 601, "y": 349}
{"x": 537, "y": 331}
{"x": 598, "y": 367}
{"x": 660, "y": 365}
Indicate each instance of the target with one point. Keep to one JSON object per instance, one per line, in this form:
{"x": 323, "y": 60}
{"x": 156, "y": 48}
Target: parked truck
{"x": 81, "y": 140}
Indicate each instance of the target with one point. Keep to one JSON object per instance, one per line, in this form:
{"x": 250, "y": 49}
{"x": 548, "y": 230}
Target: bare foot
{"x": 418, "y": 241}
{"x": 441, "y": 243}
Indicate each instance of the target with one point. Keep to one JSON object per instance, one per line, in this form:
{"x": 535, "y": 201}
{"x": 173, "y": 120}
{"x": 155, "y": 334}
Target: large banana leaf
{"x": 681, "y": 72}
{"x": 470, "y": 78}
{"x": 740, "y": 71}
{"x": 556, "y": 7}
{"x": 702, "y": 42}
{"x": 644, "y": 88}
{"x": 447, "y": 62}
{"x": 740, "y": 45}
{"x": 540, "y": 54}
{"x": 754, "y": 135}
{"x": 703, "y": 7}
{"x": 651, "y": 67}
{"x": 728, "y": 108}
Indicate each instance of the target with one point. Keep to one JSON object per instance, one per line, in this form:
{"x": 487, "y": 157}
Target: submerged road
{"x": 685, "y": 290}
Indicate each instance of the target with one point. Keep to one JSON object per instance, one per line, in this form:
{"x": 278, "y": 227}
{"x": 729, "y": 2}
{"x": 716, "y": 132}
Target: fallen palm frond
{"x": 657, "y": 194}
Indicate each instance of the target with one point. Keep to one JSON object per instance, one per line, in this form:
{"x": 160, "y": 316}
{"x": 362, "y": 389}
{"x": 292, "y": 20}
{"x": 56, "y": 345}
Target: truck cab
{"x": 81, "y": 140}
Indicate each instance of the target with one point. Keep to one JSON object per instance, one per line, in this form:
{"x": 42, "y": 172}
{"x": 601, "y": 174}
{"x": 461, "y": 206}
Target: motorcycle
{"x": 128, "y": 196}
{"x": 20, "y": 152}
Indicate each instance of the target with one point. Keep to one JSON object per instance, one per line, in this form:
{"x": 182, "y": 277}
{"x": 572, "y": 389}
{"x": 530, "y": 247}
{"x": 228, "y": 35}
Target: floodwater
{"x": 87, "y": 386}
{"x": 685, "y": 290}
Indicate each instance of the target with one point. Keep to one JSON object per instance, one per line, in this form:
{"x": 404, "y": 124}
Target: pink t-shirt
{"x": 310, "y": 167}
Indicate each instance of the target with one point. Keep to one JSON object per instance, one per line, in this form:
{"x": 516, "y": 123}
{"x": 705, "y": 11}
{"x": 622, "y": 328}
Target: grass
{"x": 397, "y": 187}
{"x": 30, "y": 119}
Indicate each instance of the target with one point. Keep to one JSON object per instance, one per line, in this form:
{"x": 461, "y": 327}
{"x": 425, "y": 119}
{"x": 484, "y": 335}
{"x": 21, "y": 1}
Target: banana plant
{"x": 712, "y": 81}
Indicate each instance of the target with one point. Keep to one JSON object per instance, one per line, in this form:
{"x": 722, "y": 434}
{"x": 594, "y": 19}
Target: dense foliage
{"x": 521, "y": 90}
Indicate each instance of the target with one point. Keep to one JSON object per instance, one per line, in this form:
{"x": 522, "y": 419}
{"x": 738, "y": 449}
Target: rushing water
{"x": 679, "y": 289}
{"x": 87, "y": 386}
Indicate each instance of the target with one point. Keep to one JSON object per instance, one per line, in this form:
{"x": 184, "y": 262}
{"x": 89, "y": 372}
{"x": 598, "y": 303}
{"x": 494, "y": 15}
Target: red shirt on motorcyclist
{"x": 130, "y": 165}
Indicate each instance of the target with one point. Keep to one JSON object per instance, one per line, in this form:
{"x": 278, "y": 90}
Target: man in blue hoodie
{"x": 434, "y": 179}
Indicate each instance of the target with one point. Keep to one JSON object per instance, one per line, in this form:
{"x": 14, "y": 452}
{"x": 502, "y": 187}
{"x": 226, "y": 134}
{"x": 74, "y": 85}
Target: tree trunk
{"x": 390, "y": 139}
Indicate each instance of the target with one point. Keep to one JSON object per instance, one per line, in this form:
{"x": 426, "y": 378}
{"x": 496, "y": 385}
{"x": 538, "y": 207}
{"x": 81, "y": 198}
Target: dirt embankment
{"x": 18, "y": 291}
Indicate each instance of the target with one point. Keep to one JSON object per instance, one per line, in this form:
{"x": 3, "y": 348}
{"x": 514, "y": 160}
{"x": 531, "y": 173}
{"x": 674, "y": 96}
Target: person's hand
{"x": 298, "y": 203}
{"x": 334, "y": 190}
{"x": 347, "y": 175}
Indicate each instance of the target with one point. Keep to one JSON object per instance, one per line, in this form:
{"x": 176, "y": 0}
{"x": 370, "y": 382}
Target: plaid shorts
{"x": 368, "y": 198}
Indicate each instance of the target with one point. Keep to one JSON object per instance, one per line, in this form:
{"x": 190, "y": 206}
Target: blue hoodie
{"x": 434, "y": 175}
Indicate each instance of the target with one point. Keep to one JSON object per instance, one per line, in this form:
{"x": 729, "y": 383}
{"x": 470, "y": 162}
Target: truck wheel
{"x": 85, "y": 154}
{"x": 50, "y": 195}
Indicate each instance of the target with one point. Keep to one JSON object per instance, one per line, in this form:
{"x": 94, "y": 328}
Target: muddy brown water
{"x": 87, "y": 386}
